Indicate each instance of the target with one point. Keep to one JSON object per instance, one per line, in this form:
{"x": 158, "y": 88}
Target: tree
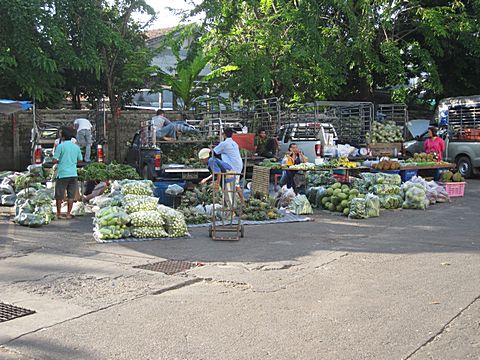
{"x": 310, "y": 49}
{"x": 125, "y": 59}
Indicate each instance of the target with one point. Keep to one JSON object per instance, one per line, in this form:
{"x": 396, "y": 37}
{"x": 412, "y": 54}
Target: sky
{"x": 164, "y": 17}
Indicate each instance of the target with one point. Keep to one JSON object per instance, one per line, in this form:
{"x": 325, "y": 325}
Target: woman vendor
{"x": 434, "y": 144}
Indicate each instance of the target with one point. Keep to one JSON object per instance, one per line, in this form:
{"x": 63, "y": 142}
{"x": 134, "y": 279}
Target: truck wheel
{"x": 464, "y": 166}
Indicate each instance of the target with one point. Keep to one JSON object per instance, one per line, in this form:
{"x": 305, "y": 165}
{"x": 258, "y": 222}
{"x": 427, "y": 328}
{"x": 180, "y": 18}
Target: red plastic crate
{"x": 455, "y": 189}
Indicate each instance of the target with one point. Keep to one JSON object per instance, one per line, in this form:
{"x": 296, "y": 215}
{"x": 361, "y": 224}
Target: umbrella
{"x": 10, "y": 106}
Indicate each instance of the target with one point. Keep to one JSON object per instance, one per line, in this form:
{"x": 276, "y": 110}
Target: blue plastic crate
{"x": 161, "y": 187}
{"x": 408, "y": 174}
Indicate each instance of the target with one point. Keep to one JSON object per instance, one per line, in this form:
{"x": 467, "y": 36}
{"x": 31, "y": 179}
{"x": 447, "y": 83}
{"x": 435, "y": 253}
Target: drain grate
{"x": 169, "y": 267}
{"x": 10, "y": 312}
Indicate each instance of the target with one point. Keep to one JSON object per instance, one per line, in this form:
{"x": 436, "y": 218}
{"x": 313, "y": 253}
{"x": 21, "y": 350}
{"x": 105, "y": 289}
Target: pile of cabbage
{"x": 300, "y": 205}
{"x": 130, "y": 210}
{"x": 428, "y": 193}
{"x": 385, "y": 186}
{"x": 386, "y": 132}
{"x": 364, "y": 208}
{"x": 34, "y": 207}
{"x": 111, "y": 223}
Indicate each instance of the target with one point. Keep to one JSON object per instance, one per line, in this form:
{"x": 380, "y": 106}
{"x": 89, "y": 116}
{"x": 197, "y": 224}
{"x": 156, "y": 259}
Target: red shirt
{"x": 436, "y": 145}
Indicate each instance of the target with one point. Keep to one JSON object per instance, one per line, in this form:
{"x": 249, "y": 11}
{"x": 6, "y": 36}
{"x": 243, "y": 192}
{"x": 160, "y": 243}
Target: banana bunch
{"x": 343, "y": 162}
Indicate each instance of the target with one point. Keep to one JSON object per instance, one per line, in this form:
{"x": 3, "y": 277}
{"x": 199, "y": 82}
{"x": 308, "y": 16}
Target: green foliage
{"x": 309, "y": 49}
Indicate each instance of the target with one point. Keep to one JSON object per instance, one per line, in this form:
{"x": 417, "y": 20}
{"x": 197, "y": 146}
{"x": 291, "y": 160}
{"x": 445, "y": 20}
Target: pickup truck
{"x": 459, "y": 122}
{"x": 306, "y": 135}
{"x": 147, "y": 159}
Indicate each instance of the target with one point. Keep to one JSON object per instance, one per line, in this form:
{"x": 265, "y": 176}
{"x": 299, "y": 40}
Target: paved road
{"x": 402, "y": 286}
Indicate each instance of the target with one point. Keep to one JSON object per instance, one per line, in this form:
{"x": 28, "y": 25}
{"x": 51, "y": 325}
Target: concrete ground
{"x": 405, "y": 285}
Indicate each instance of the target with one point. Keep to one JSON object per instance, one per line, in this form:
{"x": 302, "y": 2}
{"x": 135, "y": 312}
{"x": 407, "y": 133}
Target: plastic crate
{"x": 454, "y": 189}
{"x": 387, "y": 171}
{"x": 406, "y": 175}
{"x": 163, "y": 198}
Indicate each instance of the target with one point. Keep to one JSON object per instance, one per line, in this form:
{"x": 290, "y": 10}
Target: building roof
{"x": 156, "y": 33}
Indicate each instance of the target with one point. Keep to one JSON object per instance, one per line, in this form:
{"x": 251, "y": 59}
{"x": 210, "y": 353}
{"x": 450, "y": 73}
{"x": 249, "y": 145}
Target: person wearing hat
{"x": 218, "y": 167}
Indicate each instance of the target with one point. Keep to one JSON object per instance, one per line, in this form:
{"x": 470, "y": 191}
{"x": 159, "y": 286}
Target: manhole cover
{"x": 169, "y": 267}
{"x": 10, "y": 312}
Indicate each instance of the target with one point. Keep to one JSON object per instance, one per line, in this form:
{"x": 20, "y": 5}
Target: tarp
{"x": 10, "y": 106}
{"x": 418, "y": 127}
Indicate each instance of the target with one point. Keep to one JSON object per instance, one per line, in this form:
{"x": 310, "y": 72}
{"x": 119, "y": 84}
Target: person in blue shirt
{"x": 218, "y": 167}
{"x": 67, "y": 155}
{"x": 230, "y": 153}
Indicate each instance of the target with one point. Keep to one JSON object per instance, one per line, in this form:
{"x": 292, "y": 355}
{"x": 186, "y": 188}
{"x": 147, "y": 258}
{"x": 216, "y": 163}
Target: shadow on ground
{"x": 451, "y": 227}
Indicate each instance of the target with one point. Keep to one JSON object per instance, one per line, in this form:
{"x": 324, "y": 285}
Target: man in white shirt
{"x": 84, "y": 135}
{"x": 230, "y": 153}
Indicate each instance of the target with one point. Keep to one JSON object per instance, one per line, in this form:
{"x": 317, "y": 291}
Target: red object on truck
{"x": 100, "y": 153}
{"x": 37, "y": 155}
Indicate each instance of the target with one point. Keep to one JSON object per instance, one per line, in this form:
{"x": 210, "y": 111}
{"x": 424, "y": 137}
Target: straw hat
{"x": 204, "y": 154}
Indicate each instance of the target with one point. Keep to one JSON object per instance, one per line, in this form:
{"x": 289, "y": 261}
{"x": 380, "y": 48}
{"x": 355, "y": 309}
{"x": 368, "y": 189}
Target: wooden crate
{"x": 385, "y": 149}
{"x": 261, "y": 180}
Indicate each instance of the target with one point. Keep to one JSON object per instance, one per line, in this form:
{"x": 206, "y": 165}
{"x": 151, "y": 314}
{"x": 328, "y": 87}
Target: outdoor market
{"x": 264, "y": 164}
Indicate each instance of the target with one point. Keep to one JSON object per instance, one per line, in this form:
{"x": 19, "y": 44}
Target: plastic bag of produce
{"x": 391, "y": 201}
{"x": 175, "y": 224}
{"x": 390, "y": 179}
{"x": 149, "y": 232}
{"x": 192, "y": 216}
{"x": 315, "y": 179}
{"x": 137, "y": 187}
{"x": 312, "y": 195}
{"x": 108, "y": 200}
{"x": 22, "y": 205}
{"x": 112, "y": 232}
{"x": 78, "y": 209}
{"x": 134, "y": 203}
{"x": 28, "y": 219}
{"x": 151, "y": 218}
{"x": 6, "y": 189}
{"x": 372, "y": 204}
{"x": 174, "y": 190}
{"x": 218, "y": 210}
{"x": 43, "y": 196}
{"x": 386, "y": 189}
{"x": 369, "y": 178}
{"x": 111, "y": 216}
{"x": 285, "y": 196}
{"x": 415, "y": 198}
{"x": 27, "y": 193}
{"x": 300, "y": 205}
{"x": 8, "y": 200}
{"x": 358, "y": 209}
{"x": 45, "y": 211}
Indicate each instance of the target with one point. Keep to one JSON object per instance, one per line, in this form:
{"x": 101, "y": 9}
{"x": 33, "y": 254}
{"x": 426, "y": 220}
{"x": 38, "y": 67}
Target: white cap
{"x": 204, "y": 154}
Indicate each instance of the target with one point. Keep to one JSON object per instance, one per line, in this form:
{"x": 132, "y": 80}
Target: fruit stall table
{"x": 407, "y": 172}
{"x": 262, "y": 175}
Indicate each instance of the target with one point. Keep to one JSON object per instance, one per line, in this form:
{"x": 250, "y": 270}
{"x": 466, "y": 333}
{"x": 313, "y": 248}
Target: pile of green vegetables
{"x": 260, "y": 209}
{"x": 387, "y": 132}
{"x": 102, "y": 172}
{"x": 271, "y": 163}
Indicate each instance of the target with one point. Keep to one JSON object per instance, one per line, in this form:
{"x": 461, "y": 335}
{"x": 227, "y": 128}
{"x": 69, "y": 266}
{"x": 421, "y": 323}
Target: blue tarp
{"x": 10, "y": 106}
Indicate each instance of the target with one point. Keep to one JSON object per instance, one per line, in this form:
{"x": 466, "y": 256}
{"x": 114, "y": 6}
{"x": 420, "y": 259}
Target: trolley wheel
{"x": 210, "y": 231}
{"x": 242, "y": 231}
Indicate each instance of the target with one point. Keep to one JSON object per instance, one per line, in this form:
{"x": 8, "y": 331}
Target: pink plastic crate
{"x": 455, "y": 189}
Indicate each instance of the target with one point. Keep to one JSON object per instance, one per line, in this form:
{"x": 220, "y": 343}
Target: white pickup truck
{"x": 306, "y": 135}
